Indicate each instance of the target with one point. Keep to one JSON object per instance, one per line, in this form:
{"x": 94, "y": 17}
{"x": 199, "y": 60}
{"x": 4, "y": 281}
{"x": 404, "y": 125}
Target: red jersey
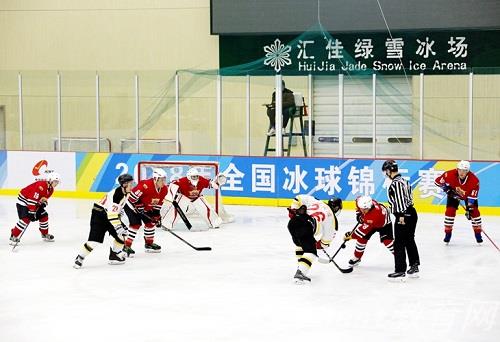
{"x": 145, "y": 195}
{"x": 32, "y": 195}
{"x": 189, "y": 190}
{"x": 377, "y": 217}
{"x": 466, "y": 189}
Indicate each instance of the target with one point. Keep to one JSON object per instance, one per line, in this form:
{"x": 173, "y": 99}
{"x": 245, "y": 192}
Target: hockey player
{"x": 143, "y": 206}
{"x": 313, "y": 226}
{"x": 106, "y": 218}
{"x": 31, "y": 203}
{"x": 187, "y": 191}
{"x": 461, "y": 184}
{"x": 372, "y": 217}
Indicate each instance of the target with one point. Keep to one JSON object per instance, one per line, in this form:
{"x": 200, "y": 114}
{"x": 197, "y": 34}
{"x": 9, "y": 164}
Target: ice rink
{"x": 243, "y": 289}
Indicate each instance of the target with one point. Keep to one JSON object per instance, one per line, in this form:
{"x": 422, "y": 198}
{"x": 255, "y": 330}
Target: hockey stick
{"x": 485, "y": 234}
{"x": 187, "y": 243}
{"x": 343, "y": 270}
{"x": 19, "y": 240}
{"x": 177, "y": 236}
{"x": 39, "y": 207}
{"x": 182, "y": 214}
{"x": 338, "y": 250}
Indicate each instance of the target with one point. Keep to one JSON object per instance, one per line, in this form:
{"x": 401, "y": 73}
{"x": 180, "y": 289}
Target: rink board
{"x": 269, "y": 181}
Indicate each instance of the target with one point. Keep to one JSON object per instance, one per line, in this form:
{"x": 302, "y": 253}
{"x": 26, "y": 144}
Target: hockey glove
{"x": 468, "y": 212}
{"x": 121, "y": 231}
{"x": 32, "y": 216}
{"x": 450, "y": 192}
{"x": 157, "y": 221}
{"x": 40, "y": 213}
{"x": 218, "y": 181}
{"x": 221, "y": 179}
{"x": 347, "y": 236}
{"x": 359, "y": 217}
{"x": 43, "y": 202}
{"x": 321, "y": 245}
{"x": 138, "y": 208}
{"x": 154, "y": 216}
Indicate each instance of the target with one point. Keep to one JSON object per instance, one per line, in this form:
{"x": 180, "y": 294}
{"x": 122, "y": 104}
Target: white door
{"x": 394, "y": 116}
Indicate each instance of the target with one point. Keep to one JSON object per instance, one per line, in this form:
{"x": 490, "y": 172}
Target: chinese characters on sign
{"x": 426, "y": 185}
{"x": 426, "y": 52}
{"x": 234, "y": 178}
{"x": 266, "y": 178}
{"x": 263, "y": 178}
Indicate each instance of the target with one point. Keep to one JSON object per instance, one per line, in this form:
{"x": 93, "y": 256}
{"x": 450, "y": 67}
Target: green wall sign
{"x": 323, "y": 53}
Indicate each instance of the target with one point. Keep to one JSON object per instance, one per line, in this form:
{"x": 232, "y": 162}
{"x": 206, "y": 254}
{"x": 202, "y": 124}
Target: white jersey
{"x": 112, "y": 203}
{"x": 326, "y": 226}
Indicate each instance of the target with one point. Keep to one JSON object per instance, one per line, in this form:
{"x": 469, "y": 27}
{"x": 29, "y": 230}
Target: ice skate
{"x": 116, "y": 258}
{"x": 48, "y": 237}
{"x": 397, "y": 277}
{"x": 479, "y": 238}
{"x": 78, "y": 262}
{"x": 447, "y": 238}
{"x": 14, "y": 240}
{"x": 130, "y": 253}
{"x": 413, "y": 272}
{"x": 299, "y": 278}
{"x": 354, "y": 262}
{"x": 152, "y": 248}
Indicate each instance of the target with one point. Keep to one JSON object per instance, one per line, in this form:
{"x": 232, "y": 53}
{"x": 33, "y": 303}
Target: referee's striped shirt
{"x": 399, "y": 195}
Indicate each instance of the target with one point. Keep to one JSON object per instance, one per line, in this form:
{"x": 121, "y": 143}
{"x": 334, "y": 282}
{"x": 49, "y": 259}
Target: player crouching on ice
{"x": 313, "y": 225}
{"x": 143, "y": 206}
{"x": 372, "y": 217}
{"x": 187, "y": 192}
{"x": 31, "y": 203}
{"x": 106, "y": 218}
{"x": 461, "y": 184}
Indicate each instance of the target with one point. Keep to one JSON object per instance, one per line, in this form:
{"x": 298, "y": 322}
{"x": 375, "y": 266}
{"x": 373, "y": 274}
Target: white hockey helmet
{"x": 364, "y": 202}
{"x": 159, "y": 173}
{"x": 53, "y": 176}
{"x": 463, "y": 165}
{"x": 193, "y": 175}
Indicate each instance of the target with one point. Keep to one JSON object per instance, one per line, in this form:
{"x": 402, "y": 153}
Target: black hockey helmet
{"x": 125, "y": 178}
{"x": 390, "y": 165}
{"x": 302, "y": 210}
{"x": 335, "y": 204}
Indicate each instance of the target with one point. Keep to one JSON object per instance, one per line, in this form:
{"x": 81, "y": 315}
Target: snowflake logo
{"x": 277, "y": 55}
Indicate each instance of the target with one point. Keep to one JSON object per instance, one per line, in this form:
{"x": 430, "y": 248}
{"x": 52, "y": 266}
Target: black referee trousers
{"x": 404, "y": 241}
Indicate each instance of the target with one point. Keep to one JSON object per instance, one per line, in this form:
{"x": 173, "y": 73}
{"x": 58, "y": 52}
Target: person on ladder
{"x": 288, "y": 108}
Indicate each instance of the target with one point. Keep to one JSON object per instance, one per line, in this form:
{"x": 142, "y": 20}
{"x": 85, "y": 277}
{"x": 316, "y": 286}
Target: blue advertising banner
{"x": 259, "y": 180}
{"x": 283, "y": 178}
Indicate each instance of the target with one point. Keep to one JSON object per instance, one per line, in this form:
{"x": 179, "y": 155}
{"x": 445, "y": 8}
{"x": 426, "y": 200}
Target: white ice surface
{"x": 243, "y": 290}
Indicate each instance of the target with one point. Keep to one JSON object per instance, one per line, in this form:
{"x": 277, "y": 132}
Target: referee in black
{"x": 401, "y": 201}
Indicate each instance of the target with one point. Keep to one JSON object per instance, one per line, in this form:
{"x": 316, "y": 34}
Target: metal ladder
{"x": 299, "y": 113}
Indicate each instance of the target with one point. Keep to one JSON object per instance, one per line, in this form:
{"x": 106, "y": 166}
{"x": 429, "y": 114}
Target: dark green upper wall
{"x": 230, "y": 17}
